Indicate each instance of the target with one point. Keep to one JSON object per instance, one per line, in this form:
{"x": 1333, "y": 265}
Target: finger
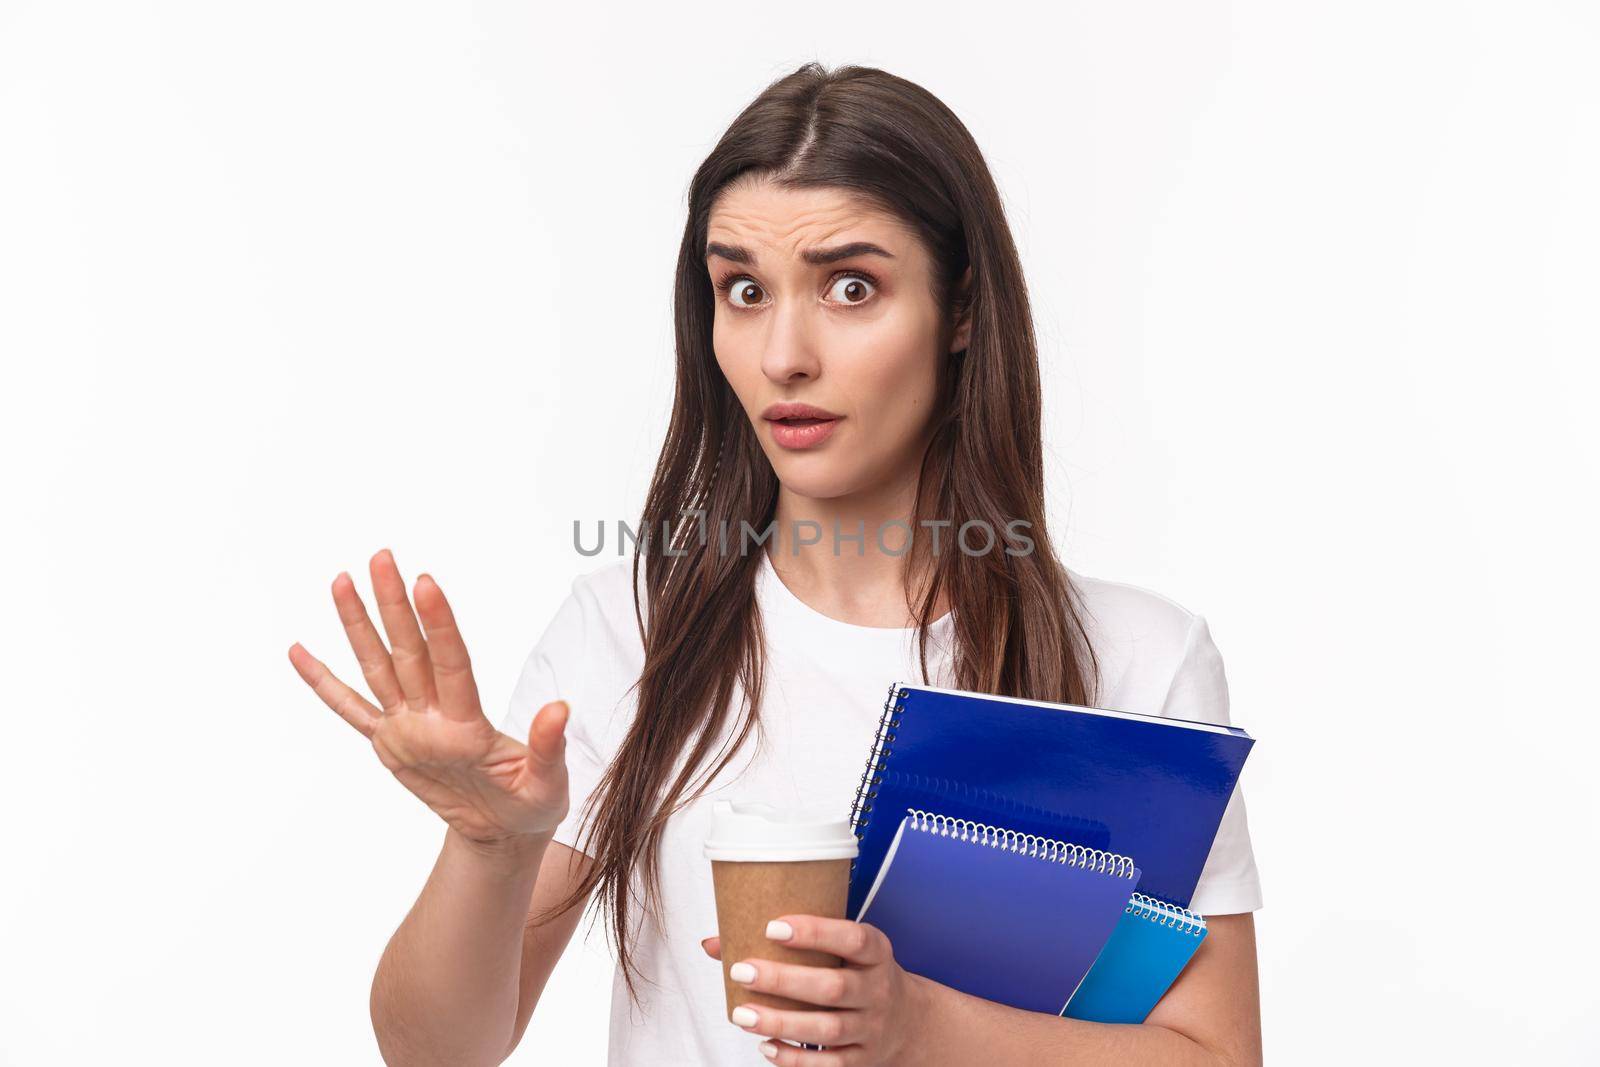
{"x": 792, "y": 1056}
{"x": 814, "y": 1027}
{"x": 410, "y": 653}
{"x": 547, "y": 740}
{"x": 447, "y": 652}
{"x": 352, "y": 707}
{"x": 371, "y": 652}
{"x": 859, "y": 943}
{"x": 713, "y": 947}
{"x": 831, "y": 987}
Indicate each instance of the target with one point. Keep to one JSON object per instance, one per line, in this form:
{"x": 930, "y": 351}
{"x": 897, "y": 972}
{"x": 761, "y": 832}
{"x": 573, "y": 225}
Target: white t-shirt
{"x": 826, "y": 685}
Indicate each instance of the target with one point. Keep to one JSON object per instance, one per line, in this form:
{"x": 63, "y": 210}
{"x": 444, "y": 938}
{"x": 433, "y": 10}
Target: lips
{"x": 794, "y": 410}
{"x": 797, "y": 426}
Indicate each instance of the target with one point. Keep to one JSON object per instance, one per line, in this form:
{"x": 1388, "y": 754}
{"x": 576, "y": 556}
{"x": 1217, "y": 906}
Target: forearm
{"x": 446, "y": 987}
{"x": 960, "y": 1030}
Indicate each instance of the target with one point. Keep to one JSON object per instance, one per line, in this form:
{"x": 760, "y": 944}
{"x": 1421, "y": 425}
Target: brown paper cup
{"x": 751, "y": 894}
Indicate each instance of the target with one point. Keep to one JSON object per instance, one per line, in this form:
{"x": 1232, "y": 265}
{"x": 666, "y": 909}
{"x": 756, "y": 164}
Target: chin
{"x": 815, "y": 478}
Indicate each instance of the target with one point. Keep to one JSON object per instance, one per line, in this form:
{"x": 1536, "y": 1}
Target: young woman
{"x": 854, "y": 355}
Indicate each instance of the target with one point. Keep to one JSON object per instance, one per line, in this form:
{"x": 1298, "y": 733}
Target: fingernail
{"x": 769, "y": 1050}
{"x": 744, "y": 1016}
{"x": 742, "y": 972}
{"x": 778, "y": 930}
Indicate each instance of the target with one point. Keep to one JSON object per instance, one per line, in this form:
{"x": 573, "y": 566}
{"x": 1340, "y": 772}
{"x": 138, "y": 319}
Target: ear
{"x": 961, "y": 302}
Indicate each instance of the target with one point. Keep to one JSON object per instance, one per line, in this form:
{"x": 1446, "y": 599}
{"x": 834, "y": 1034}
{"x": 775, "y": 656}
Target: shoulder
{"x": 1146, "y": 643}
{"x": 599, "y": 608}
{"x": 1127, "y": 613}
{"x": 606, "y": 582}
{"x": 588, "y": 652}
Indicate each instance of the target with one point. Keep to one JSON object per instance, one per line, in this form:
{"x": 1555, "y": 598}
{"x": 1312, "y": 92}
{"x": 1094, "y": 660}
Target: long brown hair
{"x": 1018, "y": 627}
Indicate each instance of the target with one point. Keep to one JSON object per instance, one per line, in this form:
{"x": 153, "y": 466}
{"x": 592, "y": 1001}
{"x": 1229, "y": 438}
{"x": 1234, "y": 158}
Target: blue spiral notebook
{"x": 1004, "y": 916}
{"x": 1151, "y": 944}
{"x": 1144, "y": 786}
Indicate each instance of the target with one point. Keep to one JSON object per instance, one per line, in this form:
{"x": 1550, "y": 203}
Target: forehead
{"x": 759, "y": 214}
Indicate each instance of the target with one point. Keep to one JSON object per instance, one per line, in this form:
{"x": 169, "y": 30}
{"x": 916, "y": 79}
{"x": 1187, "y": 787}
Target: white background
{"x": 283, "y": 284}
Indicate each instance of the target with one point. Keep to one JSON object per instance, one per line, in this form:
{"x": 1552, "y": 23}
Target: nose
{"x": 791, "y": 350}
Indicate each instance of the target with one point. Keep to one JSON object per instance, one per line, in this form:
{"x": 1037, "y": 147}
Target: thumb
{"x": 547, "y": 734}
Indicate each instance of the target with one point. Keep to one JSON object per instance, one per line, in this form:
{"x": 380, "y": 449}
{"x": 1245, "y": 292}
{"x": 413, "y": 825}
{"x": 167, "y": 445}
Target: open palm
{"x": 428, "y": 726}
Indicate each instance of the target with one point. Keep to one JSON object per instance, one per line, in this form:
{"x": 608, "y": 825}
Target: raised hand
{"x": 428, "y": 726}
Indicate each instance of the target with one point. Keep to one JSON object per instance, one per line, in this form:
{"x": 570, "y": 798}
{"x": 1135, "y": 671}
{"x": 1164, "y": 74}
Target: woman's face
{"x": 824, "y": 299}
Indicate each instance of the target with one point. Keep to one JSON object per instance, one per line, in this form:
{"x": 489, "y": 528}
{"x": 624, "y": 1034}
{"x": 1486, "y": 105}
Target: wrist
{"x": 925, "y": 1004}
{"x": 514, "y": 852}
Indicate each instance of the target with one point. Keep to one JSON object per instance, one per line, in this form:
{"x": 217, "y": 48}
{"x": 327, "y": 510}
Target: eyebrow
{"x": 817, "y": 256}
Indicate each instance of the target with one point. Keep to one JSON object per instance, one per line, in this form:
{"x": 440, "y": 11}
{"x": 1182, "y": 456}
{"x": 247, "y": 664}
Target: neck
{"x": 859, "y": 574}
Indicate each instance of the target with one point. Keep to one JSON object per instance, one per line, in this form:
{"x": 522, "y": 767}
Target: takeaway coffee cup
{"x": 767, "y": 862}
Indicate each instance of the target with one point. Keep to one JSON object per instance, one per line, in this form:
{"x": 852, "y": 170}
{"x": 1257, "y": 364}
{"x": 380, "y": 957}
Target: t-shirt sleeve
{"x": 1229, "y": 882}
{"x": 556, "y": 669}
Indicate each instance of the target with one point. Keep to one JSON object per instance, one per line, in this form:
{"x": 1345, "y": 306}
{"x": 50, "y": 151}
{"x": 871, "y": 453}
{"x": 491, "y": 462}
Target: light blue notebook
{"x": 1151, "y": 945}
{"x": 1005, "y": 916}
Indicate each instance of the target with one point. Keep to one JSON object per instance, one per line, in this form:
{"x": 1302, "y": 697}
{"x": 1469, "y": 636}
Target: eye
{"x": 853, "y": 288}
{"x": 850, "y": 288}
{"x": 738, "y": 288}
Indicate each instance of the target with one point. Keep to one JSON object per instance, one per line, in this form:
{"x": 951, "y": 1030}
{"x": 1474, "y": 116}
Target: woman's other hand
{"x": 873, "y": 1001}
{"x": 428, "y": 727}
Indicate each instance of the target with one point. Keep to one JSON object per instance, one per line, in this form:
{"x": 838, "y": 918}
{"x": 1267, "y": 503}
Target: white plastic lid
{"x": 757, "y": 832}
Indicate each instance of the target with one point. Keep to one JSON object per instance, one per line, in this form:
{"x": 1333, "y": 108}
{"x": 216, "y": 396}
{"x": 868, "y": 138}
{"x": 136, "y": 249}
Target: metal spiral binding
{"x": 1026, "y": 844}
{"x": 1163, "y": 914}
{"x": 872, "y": 777}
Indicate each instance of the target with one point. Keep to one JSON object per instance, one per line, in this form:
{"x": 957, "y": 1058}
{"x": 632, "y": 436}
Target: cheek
{"x": 731, "y": 349}
{"x": 891, "y": 367}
